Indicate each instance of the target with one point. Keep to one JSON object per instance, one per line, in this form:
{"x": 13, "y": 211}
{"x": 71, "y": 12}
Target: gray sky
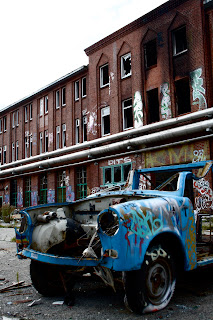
{"x": 43, "y": 40}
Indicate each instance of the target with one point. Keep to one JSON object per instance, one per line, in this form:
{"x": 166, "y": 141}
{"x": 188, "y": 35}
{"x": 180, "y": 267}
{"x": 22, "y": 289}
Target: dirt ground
{"x": 193, "y": 298}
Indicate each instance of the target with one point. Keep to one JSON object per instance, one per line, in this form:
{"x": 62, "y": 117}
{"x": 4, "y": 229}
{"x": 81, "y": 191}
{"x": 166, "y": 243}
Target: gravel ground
{"x": 193, "y": 299}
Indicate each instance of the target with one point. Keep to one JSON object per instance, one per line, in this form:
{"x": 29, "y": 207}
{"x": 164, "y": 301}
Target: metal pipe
{"x": 89, "y": 144}
{"x": 111, "y": 148}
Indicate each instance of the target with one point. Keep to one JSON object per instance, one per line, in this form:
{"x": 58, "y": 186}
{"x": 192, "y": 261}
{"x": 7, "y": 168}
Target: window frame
{"x": 46, "y": 140}
{"x": 57, "y": 99}
{"x": 26, "y": 143}
{"x": 46, "y": 104}
{"x": 31, "y": 111}
{"x": 17, "y": 118}
{"x": 76, "y": 87}
{"x": 13, "y": 151}
{"x": 84, "y": 87}
{"x": 125, "y": 119}
{"x": 27, "y": 192}
{"x": 40, "y": 142}
{"x": 31, "y": 145}
{"x": 174, "y": 42}
{"x": 61, "y": 186}
{"x": 1, "y": 125}
{"x": 105, "y": 110}
{"x": 84, "y": 128}
{"x": 81, "y": 183}
{"x": 102, "y": 83}
{"x": 13, "y": 120}
{"x": 77, "y": 131}
{"x": 57, "y": 143}
{"x": 4, "y": 154}
{"x": 123, "y": 76}
{"x": 63, "y": 97}
{"x": 17, "y": 148}
{"x": 112, "y": 168}
{"x": 25, "y": 114}
{"x": 147, "y": 52}
{"x": 5, "y": 123}
{"x": 43, "y": 189}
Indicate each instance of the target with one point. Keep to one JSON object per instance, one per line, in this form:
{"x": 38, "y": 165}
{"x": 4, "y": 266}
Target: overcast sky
{"x": 43, "y": 40}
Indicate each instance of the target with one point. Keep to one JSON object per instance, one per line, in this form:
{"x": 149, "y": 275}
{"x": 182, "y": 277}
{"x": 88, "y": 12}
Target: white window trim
{"x": 13, "y": 151}
{"x": 31, "y": 145}
{"x": 5, "y": 123}
{"x": 5, "y": 152}
{"x": 57, "y": 99}
{"x": 77, "y": 90}
{"x": 64, "y": 128}
{"x": 77, "y": 131}
{"x": 175, "y": 54}
{"x": 84, "y": 127}
{"x": 26, "y": 147}
{"x": 104, "y": 112}
{"x": 46, "y": 104}
{"x": 13, "y": 120}
{"x": 17, "y": 118}
{"x": 25, "y": 114}
{"x": 101, "y": 76}
{"x": 31, "y": 111}
{"x": 41, "y": 142}
{"x": 57, "y": 137}
{"x": 124, "y": 108}
{"x": 63, "y": 95}
{"x": 123, "y": 76}
{"x": 17, "y": 147}
{"x": 46, "y": 141}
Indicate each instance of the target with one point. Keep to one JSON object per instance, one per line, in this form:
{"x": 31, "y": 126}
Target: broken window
{"x": 84, "y": 128}
{"x": 182, "y": 91}
{"x": 57, "y": 103}
{"x": 105, "y": 121}
{"x": 46, "y": 104}
{"x": 127, "y": 114}
{"x": 63, "y": 96}
{"x": 116, "y": 174}
{"x": 76, "y": 90}
{"x": 13, "y": 193}
{"x": 43, "y": 189}
{"x": 63, "y": 135}
{"x": 46, "y": 141}
{"x": 61, "y": 186}
{"x": 77, "y": 132}
{"x": 27, "y": 193}
{"x": 57, "y": 137}
{"x": 150, "y": 53}
{"x": 153, "y": 106}
{"x": 179, "y": 41}
{"x": 126, "y": 70}
{"x": 84, "y": 88}
{"x": 81, "y": 183}
{"x": 104, "y": 75}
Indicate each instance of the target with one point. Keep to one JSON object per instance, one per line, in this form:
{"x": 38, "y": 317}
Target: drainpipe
{"x": 114, "y": 147}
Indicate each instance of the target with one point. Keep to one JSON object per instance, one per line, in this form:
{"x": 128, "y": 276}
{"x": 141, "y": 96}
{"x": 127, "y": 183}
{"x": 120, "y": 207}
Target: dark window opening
{"x": 108, "y": 175}
{"x": 182, "y": 90}
{"x": 127, "y": 114}
{"x": 179, "y": 40}
{"x": 126, "y": 66}
{"x": 84, "y": 87}
{"x": 104, "y": 75}
{"x": 150, "y": 53}
{"x": 153, "y": 106}
{"x": 13, "y": 193}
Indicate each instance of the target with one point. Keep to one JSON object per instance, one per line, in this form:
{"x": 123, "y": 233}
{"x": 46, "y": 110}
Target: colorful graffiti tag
{"x": 198, "y": 90}
{"x": 92, "y": 123}
{"x": 165, "y": 101}
{"x": 198, "y": 155}
{"x": 34, "y": 198}
{"x": 70, "y": 195}
{"x": 50, "y": 196}
{"x": 205, "y": 198}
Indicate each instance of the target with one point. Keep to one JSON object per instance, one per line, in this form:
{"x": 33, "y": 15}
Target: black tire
{"x": 151, "y": 288}
{"x": 46, "y": 279}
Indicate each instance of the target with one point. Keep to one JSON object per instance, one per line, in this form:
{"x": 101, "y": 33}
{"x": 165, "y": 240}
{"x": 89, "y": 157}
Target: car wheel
{"x": 151, "y": 288}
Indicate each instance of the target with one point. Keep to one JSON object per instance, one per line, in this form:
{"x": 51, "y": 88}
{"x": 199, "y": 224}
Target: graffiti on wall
{"x": 198, "y": 90}
{"x": 92, "y": 123}
{"x": 138, "y": 110}
{"x": 34, "y": 198}
{"x": 6, "y": 198}
{"x": 144, "y": 183}
{"x": 198, "y": 155}
{"x": 165, "y": 101}
{"x": 175, "y": 155}
{"x": 50, "y": 196}
{"x": 70, "y": 195}
{"x": 205, "y": 197}
{"x": 118, "y": 161}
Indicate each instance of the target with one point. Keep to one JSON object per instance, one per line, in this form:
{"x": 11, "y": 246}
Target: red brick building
{"x": 145, "y": 100}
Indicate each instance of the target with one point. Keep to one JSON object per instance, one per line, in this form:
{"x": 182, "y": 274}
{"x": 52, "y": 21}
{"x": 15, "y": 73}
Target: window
{"x": 31, "y": 145}
{"x": 43, "y": 189}
{"x": 61, "y": 186}
{"x": 13, "y": 120}
{"x": 127, "y": 114}
{"x": 4, "y": 154}
{"x": 41, "y": 142}
{"x": 26, "y": 143}
{"x": 25, "y": 114}
{"x": 0, "y": 155}
{"x": 5, "y": 123}
{"x": 179, "y": 41}
{"x": 116, "y": 174}
{"x": 13, "y": 151}
{"x": 76, "y": 90}
{"x": 17, "y": 118}
{"x": 46, "y": 141}
{"x": 13, "y": 193}
{"x": 0, "y": 125}
{"x": 27, "y": 193}
{"x": 77, "y": 132}
{"x": 81, "y": 183}
{"x": 182, "y": 92}
{"x": 57, "y": 105}
{"x": 153, "y": 106}
{"x": 150, "y": 53}
{"x": 46, "y": 104}
{"x": 104, "y": 75}
{"x": 84, "y": 87}
{"x": 31, "y": 110}
{"x": 84, "y": 128}
{"x": 105, "y": 121}
{"x": 63, "y": 135}
{"x": 17, "y": 145}
{"x": 57, "y": 137}
{"x": 63, "y": 97}
{"x": 126, "y": 70}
